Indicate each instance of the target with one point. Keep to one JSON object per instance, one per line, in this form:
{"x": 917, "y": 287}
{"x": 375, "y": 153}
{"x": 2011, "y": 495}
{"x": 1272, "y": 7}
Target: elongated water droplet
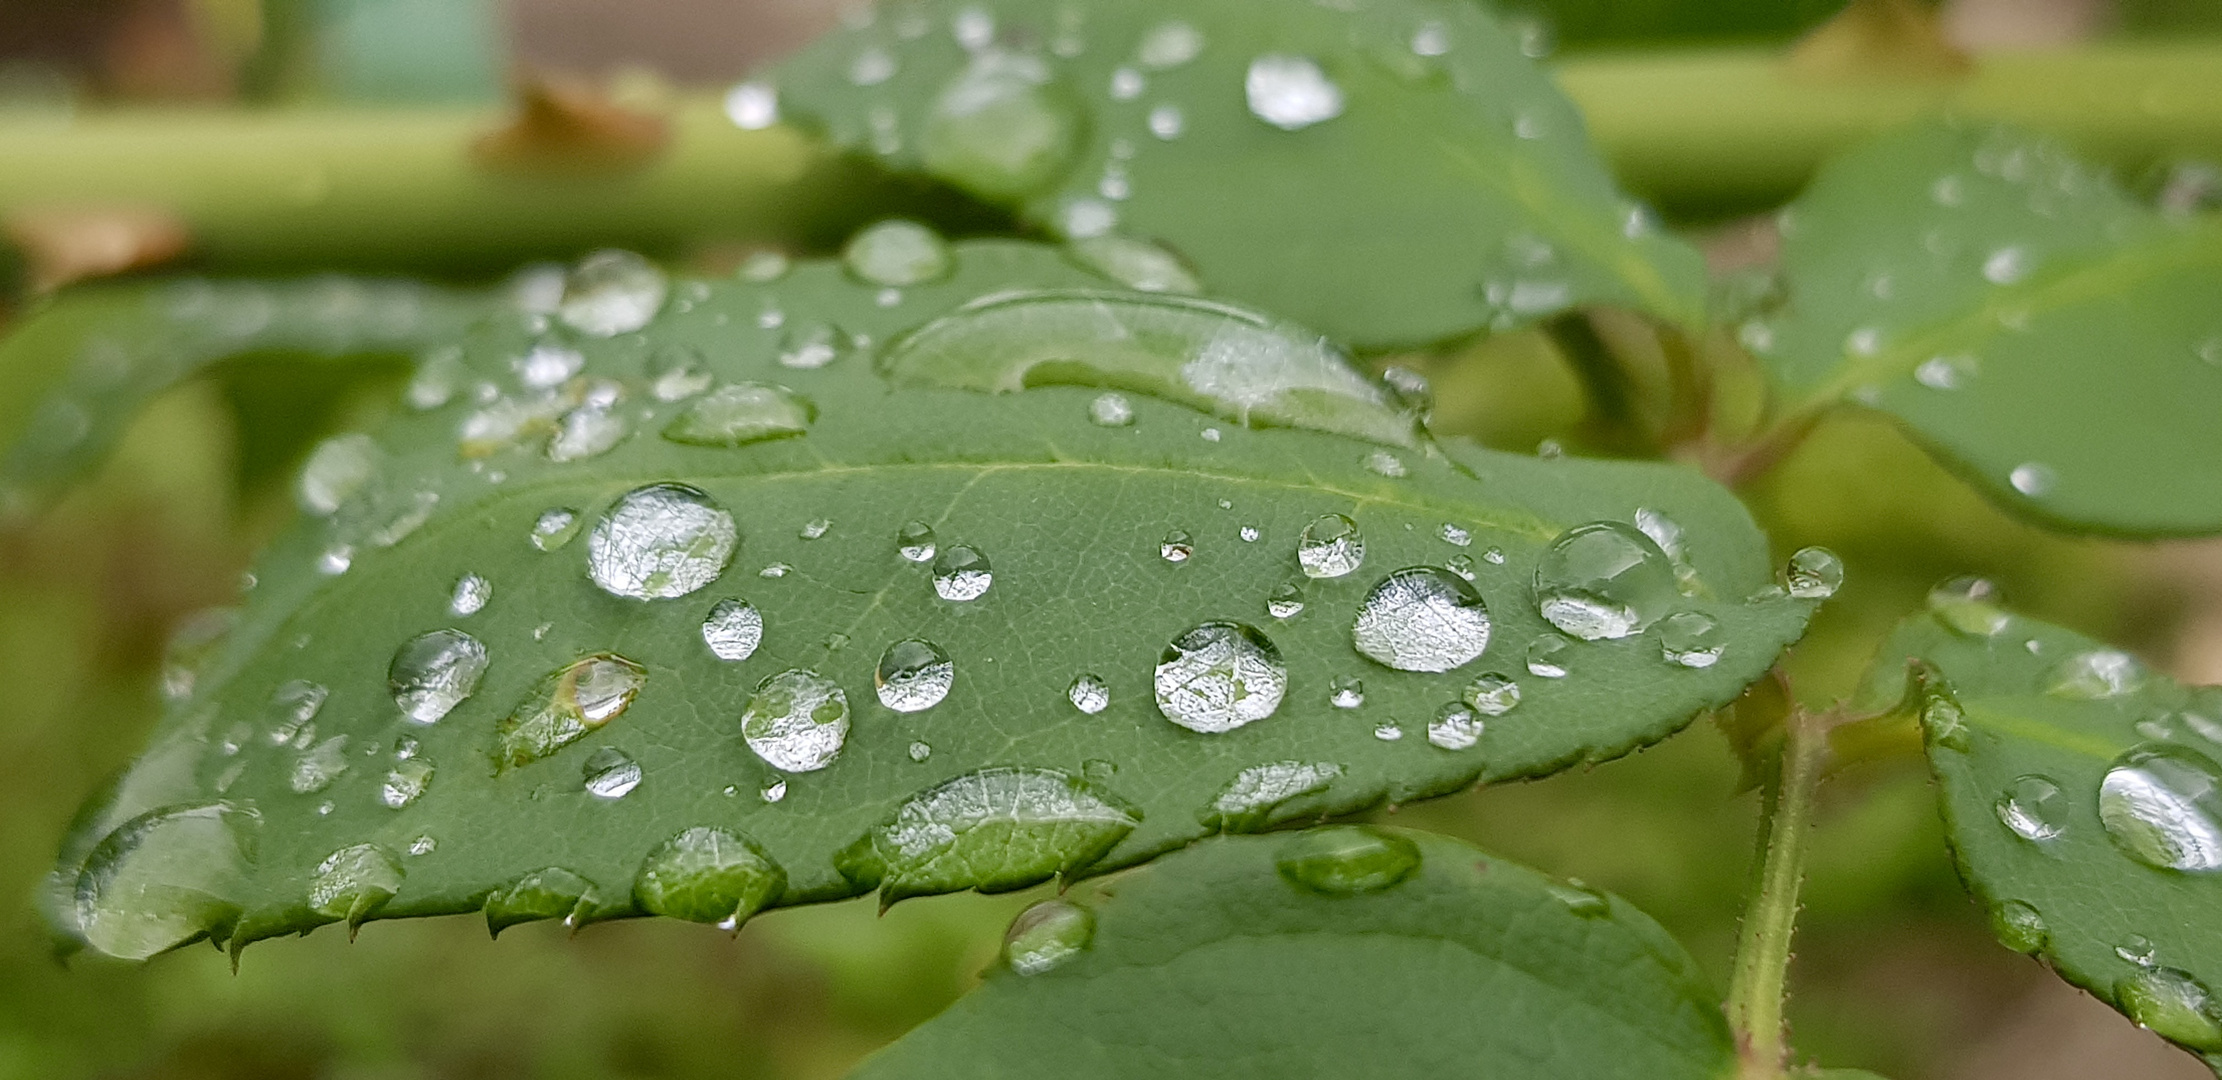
{"x": 1111, "y": 410}
{"x": 733, "y": 629}
{"x": 1136, "y": 264}
{"x": 162, "y": 879}
{"x": 1089, "y": 694}
{"x": 1969, "y": 605}
{"x": 915, "y": 542}
{"x": 405, "y": 782}
{"x": 1047, "y": 935}
{"x": 2163, "y": 806}
{"x": 1346, "y": 692}
{"x": 2019, "y": 927}
{"x": 1000, "y": 129}
{"x": 1492, "y": 694}
{"x": 609, "y": 774}
{"x": 354, "y": 882}
{"x": 1604, "y": 580}
{"x": 1815, "y": 573}
{"x": 336, "y": 470}
{"x": 554, "y": 528}
{"x": 2174, "y": 1005}
{"x": 1247, "y": 803}
{"x": 1290, "y": 92}
{"x": 1548, "y": 656}
{"x": 1330, "y": 547}
{"x": 1691, "y": 638}
{"x": 611, "y": 293}
{"x": 2032, "y": 478}
{"x": 1220, "y": 676}
{"x": 1455, "y": 727}
{"x": 659, "y": 542}
{"x": 1422, "y": 619}
{"x": 913, "y": 676}
{"x": 1346, "y": 860}
{"x": 993, "y": 830}
{"x": 962, "y": 573}
{"x": 432, "y": 673}
{"x": 470, "y": 595}
{"x": 814, "y": 528}
{"x": 797, "y": 721}
{"x": 1177, "y": 547}
{"x": 738, "y": 414}
{"x": 551, "y": 892}
{"x": 1944, "y": 723}
{"x": 2095, "y": 675}
{"x": 2033, "y": 808}
{"x": 569, "y": 702}
{"x": 708, "y": 875}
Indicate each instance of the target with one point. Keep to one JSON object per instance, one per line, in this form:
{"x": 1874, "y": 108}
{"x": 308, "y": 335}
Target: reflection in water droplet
{"x": 1455, "y": 727}
{"x": 708, "y": 875}
{"x": 2019, "y": 927}
{"x": 1493, "y": 694}
{"x": 1046, "y": 935}
{"x": 423, "y": 845}
{"x": 611, "y": 293}
{"x": 1177, "y": 547}
{"x": 1330, "y": 547}
{"x": 993, "y": 830}
{"x": 962, "y": 574}
{"x": 1691, "y": 639}
{"x": 1290, "y": 92}
{"x": 797, "y": 721}
{"x": 470, "y": 595}
{"x": 1111, "y": 410}
{"x": 554, "y": 528}
{"x": 814, "y": 528}
{"x": 1604, "y": 580}
{"x": 610, "y": 774}
{"x": 1220, "y": 676}
{"x": 569, "y": 702}
{"x": 1969, "y": 605}
{"x": 2095, "y": 675}
{"x": 405, "y": 782}
{"x": 898, "y": 253}
{"x": 733, "y": 629}
{"x": 2033, "y": 808}
{"x": 913, "y": 676}
{"x": 162, "y": 879}
{"x": 2163, "y": 806}
{"x": 2174, "y": 1005}
{"x": 1548, "y": 656}
{"x": 432, "y": 673}
{"x": 1346, "y": 860}
{"x": 354, "y": 882}
{"x": 738, "y": 414}
{"x": 659, "y": 542}
{"x": 774, "y": 570}
{"x": 1422, "y": 619}
{"x": 1815, "y": 573}
{"x": 1089, "y": 694}
{"x": 1248, "y": 802}
{"x": 1346, "y": 692}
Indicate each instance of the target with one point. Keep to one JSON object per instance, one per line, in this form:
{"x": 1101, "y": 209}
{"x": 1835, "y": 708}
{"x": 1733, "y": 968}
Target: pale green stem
{"x": 1757, "y": 990}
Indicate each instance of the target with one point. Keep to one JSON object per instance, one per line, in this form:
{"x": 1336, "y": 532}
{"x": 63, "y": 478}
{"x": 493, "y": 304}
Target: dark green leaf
{"x": 2085, "y": 805}
{"x": 2040, "y": 333}
{"x": 1454, "y": 189}
{"x": 427, "y": 753}
{"x": 1222, "y": 961}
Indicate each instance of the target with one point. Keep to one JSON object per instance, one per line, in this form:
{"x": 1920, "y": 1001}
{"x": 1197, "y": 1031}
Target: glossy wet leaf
{"x": 2042, "y": 334}
{"x": 2071, "y": 789}
{"x": 79, "y": 367}
{"x": 719, "y": 618}
{"x": 1212, "y": 962}
{"x": 1453, "y": 187}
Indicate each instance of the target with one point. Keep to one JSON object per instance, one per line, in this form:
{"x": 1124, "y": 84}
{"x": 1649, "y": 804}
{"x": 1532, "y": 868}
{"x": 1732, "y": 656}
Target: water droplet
{"x": 974, "y": 28}
{"x": 814, "y": 529}
{"x": 708, "y": 875}
{"x": 336, "y": 470}
{"x": 1548, "y": 656}
{"x": 1346, "y": 692}
{"x": 2019, "y": 927}
{"x": 1581, "y": 899}
{"x": 1493, "y": 694}
{"x": 915, "y": 542}
{"x": 1493, "y": 556}
{"x": 733, "y": 629}
{"x": 1247, "y": 803}
{"x": 807, "y": 349}
{"x": 1691, "y": 639}
{"x": 1455, "y": 535}
{"x": 1046, "y": 935}
{"x": 470, "y": 595}
{"x": 612, "y": 292}
{"x": 2137, "y": 950}
{"x": 2033, "y": 808}
{"x": 1388, "y": 731}
{"x": 1604, "y": 580}
{"x": 2174, "y": 1005}
{"x": 317, "y": 766}
{"x": 773, "y": 792}
{"x": 1943, "y": 722}
{"x": 752, "y": 106}
{"x": 568, "y": 703}
{"x": 1249, "y": 534}
{"x": 1169, "y": 45}
{"x": 920, "y": 751}
{"x": 547, "y": 364}
{"x": 2032, "y": 479}
{"x": 1220, "y": 676}
{"x": 1127, "y": 84}
{"x": 741, "y": 413}
{"x": 1136, "y": 264}
{"x": 405, "y": 782}
{"x": 659, "y": 542}
{"x": 1346, "y": 860}
{"x": 1969, "y": 605}
{"x": 2163, "y": 806}
{"x": 1330, "y": 547}
{"x": 993, "y": 830}
{"x": 1422, "y": 619}
{"x": 609, "y": 774}
{"x": 1177, "y": 547}
{"x": 897, "y": 252}
{"x": 1384, "y": 463}
{"x": 797, "y": 721}
{"x": 999, "y": 129}
{"x": 1431, "y": 39}
{"x": 1815, "y": 573}
{"x": 2096, "y": 675}
{"x": 1945, "y": 372}
{"x": 1211, "y": 434}
{"x": 554, "y": 528}
{"x": 551, "y": 892}
{"x": 962, "y": 573}
{"x": 162, "y": 879}
{"x": 1290, "y": 92}
{"x": 432, "y": 673}
{"x": 436, "y": 376}
{"x": 354, "y": 882}
{"x": 291, "y": 707}
{"x": 913, "y": 676}
{"x": 1455, "y": 727}
{"x": 1089, "y": 694}
{"x": 1286, "y": 601}
{"x": 1111, "y": 410}
{"x": 423, "y": 845}
{"x": 1167, "y": 122}
{"x": 588, "y": 431}
{"x": 872, "y": 66}
{"x": 1409, "y": 389}
{"x": 2006, "y": 266}
{"x": 775, "y": 570}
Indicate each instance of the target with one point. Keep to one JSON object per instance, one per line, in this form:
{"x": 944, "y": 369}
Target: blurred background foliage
{"x": 1896, "y": 970}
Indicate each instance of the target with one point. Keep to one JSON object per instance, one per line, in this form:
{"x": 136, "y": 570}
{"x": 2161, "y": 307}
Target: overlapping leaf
{"x": 1390, "y": 173}
{"x": 447, "y": 693}
{"x": 2085, "y": 806}
{"x": 1221, "y": 961}
{"x": 2040, "y": 333}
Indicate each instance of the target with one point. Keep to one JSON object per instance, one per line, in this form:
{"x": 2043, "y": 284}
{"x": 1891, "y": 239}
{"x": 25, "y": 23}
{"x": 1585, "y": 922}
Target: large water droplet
{"x": 915, "y": 542}
{"x": 1815, "y": 573}
{"x": 2174, "y": 1005}
{"x": 708, "y": 875}
{"x": 2163, "y": 805}
{"x": 733, "y": 629}
{"x": 2095, "y": 675}
{"x": 1422, "y": 618}
{"x": 661, "y": 541}
{"x": 432, "y": 673}
{"x": 1691, "y": 638}
{"x": 962, "y": 573}
{"x": 1000, "y": 129}
{"x": 1345, "y": 860}
{"x": 162, "y": 879}
{"x": 797, "y": 721}
{"x": 1290, "y": 92}
{"x": 992, "y": 830}
{"x": 1248, "y": 802}
{"x": 611, "y": 293}
{"x": 569, "y": 702}
{"x": 1046, "y": 935}
{"x": 1969, "y": 605}
{"x": 2033, "y": 808}
{"x": 913, "y": 676}
{"x": 1089, "y": 694}
{"x": 336, "y": 470}
{"x": 1604, "y": 580}
{"x": 1220, "y": 676}
{"x": 1330, "y": 547}
{"x": 354, "y": 882}
{"x": 1455, "y": 727}
{"x": 738, "y": 414}
{"x": 896, "y": 252}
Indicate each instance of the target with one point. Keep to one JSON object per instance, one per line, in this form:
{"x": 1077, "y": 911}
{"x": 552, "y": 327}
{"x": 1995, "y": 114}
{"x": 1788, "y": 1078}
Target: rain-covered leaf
{"x": 1391, "y": 173}
{"x": 2042, "y": 334}
{"x": 77, "y": 369}
{"x": 2083, "y": 798}
{"x": 1343, "y": 951}
{"x": 747, "y": 606}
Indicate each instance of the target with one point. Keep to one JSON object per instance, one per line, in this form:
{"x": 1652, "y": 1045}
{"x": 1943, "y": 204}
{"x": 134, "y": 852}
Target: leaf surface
{"x": 2071, "y": 788}
{"x": 1219, "y": 962}
{"x": 485, "y": 677}
{"x": 1453, "y": 188}
{"x": 2042, "y": 334}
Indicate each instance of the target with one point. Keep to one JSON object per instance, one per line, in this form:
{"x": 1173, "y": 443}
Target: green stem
{"x": 1756, "y": 992}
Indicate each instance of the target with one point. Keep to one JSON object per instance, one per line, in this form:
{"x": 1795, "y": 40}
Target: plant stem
{"x": 1756, "y": 992}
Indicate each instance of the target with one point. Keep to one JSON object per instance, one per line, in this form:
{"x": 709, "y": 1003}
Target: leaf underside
{"x": 1072, "y": 515}
{"x": 1208, "y": 963}
{"x": 2020, "y": 316}
{"x": 1456, "y": 190}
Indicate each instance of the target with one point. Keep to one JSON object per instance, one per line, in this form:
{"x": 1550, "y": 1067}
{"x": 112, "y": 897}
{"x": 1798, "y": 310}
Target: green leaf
{"x": 2040, "y": 333}
{"x": 1223, "y": 961}
{"x": 2084, "y": 804}
{"x": 483, "y": 670}
{"x": 78, "y": 368}
{"x": 1454, "y": 189}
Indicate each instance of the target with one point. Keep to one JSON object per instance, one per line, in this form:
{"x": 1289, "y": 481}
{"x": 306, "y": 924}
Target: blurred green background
{"x": 1895, "y": 972}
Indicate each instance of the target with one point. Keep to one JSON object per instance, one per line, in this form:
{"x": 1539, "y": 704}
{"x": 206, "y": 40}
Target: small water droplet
{"x": 961, "y": 573}
{"x": 470, "y": 595}
{"x": 1388, "y": 731}
{"x": 708, "y": 875}
{"x": 2096, "y": 675}
{"x": 2019, "y": 927}
{"x": 1286, "y": 601}
{"x": 1089, "y": 694}
{"x": 588, "y": 431}
{"x": 1346, "y": 692}
{"x": 1000, "y": 128}
{"x": 1291, "y": 92}
{"x": 775, "y": 570}
{"x": 2162, "y": 805}
{"x": 1455, "y": 535}
{"x": 1548, "y": 656}
{"x": 405, "y": 782}
{"x": 1177, "y": 547}
{"x": 1211, "y": 434}
{"x": 1384, "y": 463}
{"x": 354, "y": 882}
{"x": 1248, "y": 802}
{"x": 1455, "y": 727}
{"x": 1330, "y": 547}
{"x": 1493, "y": 694}
{"x": 1581, "y": 899}
{"x": 733, "y": 629}
{"x": 567, "y": 704}
{"x": 1969, "y": 605}
{"x": 1047, "y": 935}
{"x": 773, "y": 792}
{"x": 1136, "y": 264}
{"x": 1945, "y": 372}
{"x": 915, "y": 542}
{"x": 814, "y": 528}
{"x": 1169, "y": 45}
{"x": 810, "y": 348}
{"x": 336, "y": 470}
{"x": 797, "y": 721}
{"x": 554, "y": 528}
{"x": 1346, "y": 860}
{"x": 871, "y": 66}
{"x": 2006, "y": 266}
{"x": 920, "y": 751}
{"x": 434, "y": 672}
{"x": 2032, "y": 479}
{"x": 609, "y": 774}
{"x": 1167, "y": 122}
{"x": 547, "y": 364}
{"x": 423, "y": 845}
{"x": 1815, "y": 573}
{"x": 659, "y": 542}
{"x": 1249, "y": 534}
{"x": 752, "y": 106}
{"x": 738, "y": 414}
{"x": 913, "y": 676}
{"x": 292, "y": 707}
{"x": 1493, "y": 556}
{"x": 2138, "y": 950}
{"x": 1127, "y": 84}
{"x": 612, "y": 292}
{"x": 1219, "y": 676}
{"x": 2033, "y": 808}
{"x": 897, "y": 253}
{"x": 1422, "y": 618}
{"x": 1604, "y": 580}
{"x": 1111, "y": 410}
{"x": 1691, "y": 639}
